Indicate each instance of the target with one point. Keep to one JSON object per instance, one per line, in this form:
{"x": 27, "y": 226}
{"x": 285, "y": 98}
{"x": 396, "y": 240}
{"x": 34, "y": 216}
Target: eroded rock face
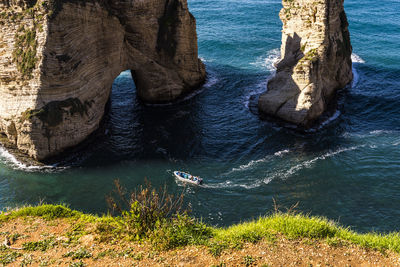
{"x": 59, "y": 58}
{"x": 315, "y": 62}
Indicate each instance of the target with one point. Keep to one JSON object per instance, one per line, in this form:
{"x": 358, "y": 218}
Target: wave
{"x": 268, "y": 61}
{"x": 309, "y": 163}
{"x": 356, "y": 77}
{"x": 252, "y": 163}
{"x": 380, "y": 132}
{"x": 282, "y": 152}
{"x": 259, "y": 89}
{"x": 10, "y": 160}
{"x": 357, "y": 59}
{"x": 212, "y": 79}
{"x": 205, "y": 60}
{"x": 325, "y": 122}
{"x": 370, "y": 134}
{"x": 282, "y": 174}
{"x": 330, "y": 119}
{"x": 263, "y": 62}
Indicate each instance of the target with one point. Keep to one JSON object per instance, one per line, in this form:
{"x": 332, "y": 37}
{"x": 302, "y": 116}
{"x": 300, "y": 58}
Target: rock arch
{"x": 58, "y": 70}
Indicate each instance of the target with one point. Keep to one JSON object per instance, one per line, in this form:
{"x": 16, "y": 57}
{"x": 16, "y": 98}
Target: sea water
{"x": 348, "y": 169}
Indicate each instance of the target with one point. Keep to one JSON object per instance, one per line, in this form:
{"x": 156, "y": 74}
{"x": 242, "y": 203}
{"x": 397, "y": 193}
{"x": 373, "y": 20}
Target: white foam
{"x": 260, "y": 88}
{"x": 327, "y": 121}
{"x": 267, "y": 61}
{"x": 370, "y": 134}
{"x": 281, "y": 153}
{"x": 247, "y": 166}
{"x": 212, "y": 79}
{"x": 356, "y": 77}
{"x": 380, "y": 132}
{"x": 283, "y": 174}
{"x": 357, "y": 59}
{"x": 253, "y": 163}
{"x": 14, "y": 163}
{"x": 205, "y": 60}
{"x": 264, "y": 62}
{"x": 309, "y": 163}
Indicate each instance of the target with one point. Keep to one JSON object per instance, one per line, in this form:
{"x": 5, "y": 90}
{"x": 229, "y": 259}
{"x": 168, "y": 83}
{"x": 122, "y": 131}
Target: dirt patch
{"x": 70, "y": 243}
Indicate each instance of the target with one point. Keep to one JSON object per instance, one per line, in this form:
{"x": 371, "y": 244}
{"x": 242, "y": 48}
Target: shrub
{"x": 144, "y": 209}
{"x": 40, "y": 245}
{"x": 180, "y": 231}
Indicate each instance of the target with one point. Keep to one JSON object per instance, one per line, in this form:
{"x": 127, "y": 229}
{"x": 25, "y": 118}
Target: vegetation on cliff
{"x": 24, "y": 53}
{"x": 28, "y": 20}
{"x": 52, "y": 113}
{"x": 156, "y": 222}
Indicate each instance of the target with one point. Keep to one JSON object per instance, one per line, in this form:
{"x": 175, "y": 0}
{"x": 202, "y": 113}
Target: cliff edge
{"x": 315, "y": 61}
{"x": 59, "y": 58}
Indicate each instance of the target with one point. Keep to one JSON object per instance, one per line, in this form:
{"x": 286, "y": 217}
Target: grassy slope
{"x": 179, "y": 235}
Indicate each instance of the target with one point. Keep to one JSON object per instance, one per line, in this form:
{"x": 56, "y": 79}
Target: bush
{"x": 144, "y": 209}
{"x": 180, "y": 231}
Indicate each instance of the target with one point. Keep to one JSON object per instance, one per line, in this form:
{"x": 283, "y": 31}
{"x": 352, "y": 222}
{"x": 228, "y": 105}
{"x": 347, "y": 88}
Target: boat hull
{"x": 199, "y": 181}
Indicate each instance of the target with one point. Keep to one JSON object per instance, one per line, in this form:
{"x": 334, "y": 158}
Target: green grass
{"x": 82, "y": 253}
{"x": 46, "y": 211}
{"x": 9, "y": 257}
{"x": 40, "y": 245}
{"x": 184, "y": 230}
{"x": 303, "y": 226}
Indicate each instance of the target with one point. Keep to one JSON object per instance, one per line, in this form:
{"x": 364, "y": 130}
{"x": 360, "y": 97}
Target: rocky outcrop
{"x": 315, "y": 61}
{"x": 59, "y": 58}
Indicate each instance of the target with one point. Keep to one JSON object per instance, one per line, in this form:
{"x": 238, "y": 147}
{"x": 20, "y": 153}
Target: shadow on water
{"x": 131, "y": 129}
{"x": 214, "y": 125}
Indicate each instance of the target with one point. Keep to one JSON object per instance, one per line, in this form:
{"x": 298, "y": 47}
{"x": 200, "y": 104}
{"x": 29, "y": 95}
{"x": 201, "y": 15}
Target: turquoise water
{"x": 347, "y": 170}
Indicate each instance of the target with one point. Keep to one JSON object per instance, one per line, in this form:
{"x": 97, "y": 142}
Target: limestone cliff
{"x": 315, "y": 61}
{"x": 59, "y": 58}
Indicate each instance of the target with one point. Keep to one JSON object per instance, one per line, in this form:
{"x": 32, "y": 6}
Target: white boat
{"x": 188, "y": 178}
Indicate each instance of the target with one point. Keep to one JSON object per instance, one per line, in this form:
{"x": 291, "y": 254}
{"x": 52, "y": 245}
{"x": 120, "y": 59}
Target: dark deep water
{"x": 349, "y": 170}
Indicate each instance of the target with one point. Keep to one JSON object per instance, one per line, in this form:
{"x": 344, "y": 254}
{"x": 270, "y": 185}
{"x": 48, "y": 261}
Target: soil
{"x": 71, "y": 245}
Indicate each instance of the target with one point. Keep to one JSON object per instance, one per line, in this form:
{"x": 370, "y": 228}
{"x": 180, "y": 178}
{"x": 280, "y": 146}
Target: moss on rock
{"x": 52, "y": 113}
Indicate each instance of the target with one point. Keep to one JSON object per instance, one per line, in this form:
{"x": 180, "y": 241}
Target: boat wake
{"x": 253, "y": 163}
{"x": 308, "y": 163}
{"x": 281, "y": 174}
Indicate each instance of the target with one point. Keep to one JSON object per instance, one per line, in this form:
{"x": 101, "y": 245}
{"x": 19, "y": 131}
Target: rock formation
{"x": 59, "y": 58}
{"x": 315, "y": 61}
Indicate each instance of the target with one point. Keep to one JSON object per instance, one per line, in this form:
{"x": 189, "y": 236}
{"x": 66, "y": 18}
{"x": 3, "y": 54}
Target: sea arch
{"x": 84, "y": 47}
